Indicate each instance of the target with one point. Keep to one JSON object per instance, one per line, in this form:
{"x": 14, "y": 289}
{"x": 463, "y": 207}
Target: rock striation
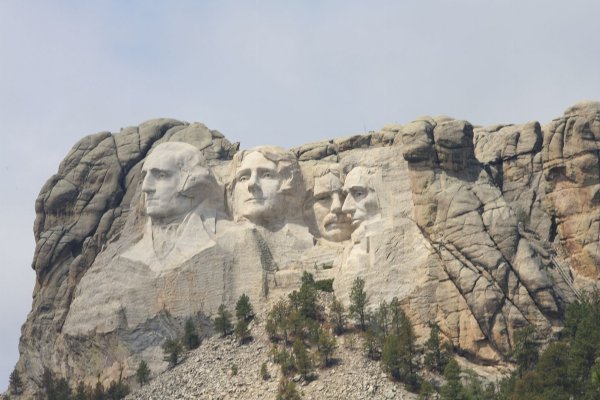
{"x": 483, "y": 230}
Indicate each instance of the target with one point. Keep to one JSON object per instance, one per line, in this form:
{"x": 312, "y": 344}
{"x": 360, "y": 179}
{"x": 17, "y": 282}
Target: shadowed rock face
{"x": 461, "y": 223}
{"x": 475, "y": 232}
{"x": 82, "y": 208}
{"x": 571, "y": 166}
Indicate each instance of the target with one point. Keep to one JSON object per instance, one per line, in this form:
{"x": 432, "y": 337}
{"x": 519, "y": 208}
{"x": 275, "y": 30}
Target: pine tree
{"x": 287, "y": 390}
{"x": 242, "y": 332}
{"x": 172, "y": 349}
{"x": 337, "y": 316}
{"x": 408, "y": 348}
{"x": 326, "y": 347}
{"x": 399, "y": 353}
{"x": 435, "y": 357}
{"x": 358, "y": 302}
{"x": 99, "y": 391}
{"x": 395, "y": 315}
{"x": 48, "y": 384}
{"x": 453, "y": 389}
{"x": 83, "y": 392}
{"x": 391, "y": 357}
{"x": 223, "y": 323}
{"x": 383, "y": 319}
{"x": 309, "y": 306}
{"x": 296, "y": 324}
{"x": 302, "y": 361}
{"x": 277, "y": 320}
{"x": 264, "y": 372}
{"x": 117, "y": 390}
{"x": 142, "y": 373}
{"x": 191, "y": 339}
{"x": 243, "y": 309}
{"x": 15, "y": 383}
{"x": 525, "y": 349}
{"x": 427, "y": 391}
{"x": 474, "y": 389}
{"x": 286, "y": 362}
{"x": 372, "y": 341}
{"x": 62, "y": 390}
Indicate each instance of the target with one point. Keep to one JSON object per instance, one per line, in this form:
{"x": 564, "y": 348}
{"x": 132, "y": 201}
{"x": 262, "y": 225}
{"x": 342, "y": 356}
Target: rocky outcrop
{"x": 503, "y": 279}
{"x": 206, "y": 373}
{"x": 82, "y": 208}
{"x": 483, "y": 230}
{"x": 571, "y": 170}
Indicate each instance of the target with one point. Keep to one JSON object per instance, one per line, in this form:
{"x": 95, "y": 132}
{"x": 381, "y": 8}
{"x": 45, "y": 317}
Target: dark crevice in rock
{"x": 553, "y": 230}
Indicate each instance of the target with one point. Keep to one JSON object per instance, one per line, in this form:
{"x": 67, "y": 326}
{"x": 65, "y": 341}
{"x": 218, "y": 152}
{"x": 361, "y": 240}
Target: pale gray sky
{"x": 275, "y": 72}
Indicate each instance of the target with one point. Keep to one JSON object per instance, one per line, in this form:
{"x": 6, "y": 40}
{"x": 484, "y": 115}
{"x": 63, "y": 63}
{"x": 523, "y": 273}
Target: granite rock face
{"x": 483, "y": 230}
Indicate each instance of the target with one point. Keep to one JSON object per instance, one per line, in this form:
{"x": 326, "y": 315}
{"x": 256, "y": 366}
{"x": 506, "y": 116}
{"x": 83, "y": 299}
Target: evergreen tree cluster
{"x": 54, "y": 388}
{"x": 390, "y": 336}
{"x": 173, "y": 348}
{"x": 244, "y": 314}
{"x": 300, "y": 321}
{"x": 15, "y": 383}
{"x": 568, "y": 368}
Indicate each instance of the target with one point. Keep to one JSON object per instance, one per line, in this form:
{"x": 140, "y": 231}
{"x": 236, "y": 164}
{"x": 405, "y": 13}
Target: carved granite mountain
{"x": 481, "y": 229}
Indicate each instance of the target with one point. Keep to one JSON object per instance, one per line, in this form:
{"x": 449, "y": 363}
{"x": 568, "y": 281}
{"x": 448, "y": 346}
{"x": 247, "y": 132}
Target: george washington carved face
{"x": 175, "y": 181}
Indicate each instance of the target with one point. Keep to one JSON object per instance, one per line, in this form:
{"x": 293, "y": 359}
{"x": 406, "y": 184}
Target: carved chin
{"x": 336, "y": 232}
{"x": 336, "y": 235}
{"x": 256, "y": 211}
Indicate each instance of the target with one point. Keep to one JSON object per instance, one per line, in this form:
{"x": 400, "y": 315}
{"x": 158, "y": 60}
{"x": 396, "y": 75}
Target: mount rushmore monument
{"x": 483, "y": 230}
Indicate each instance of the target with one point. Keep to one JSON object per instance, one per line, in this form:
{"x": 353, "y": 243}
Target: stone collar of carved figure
{"x": 166, "y": 247}
{"x": 257, "y": 189}
{"x": 361, "y": 200}
{"x": 328, "y": 198}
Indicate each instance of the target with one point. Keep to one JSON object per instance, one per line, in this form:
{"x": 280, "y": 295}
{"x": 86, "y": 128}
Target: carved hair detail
{"x": 196, "y": 177}
{"x": 285, "y": 162}
{"x": 323, "y": 170}
{"x": 371, "y": 174}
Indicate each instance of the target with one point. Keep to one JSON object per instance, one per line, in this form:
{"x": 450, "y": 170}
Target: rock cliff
{"x": 483, "y": 230}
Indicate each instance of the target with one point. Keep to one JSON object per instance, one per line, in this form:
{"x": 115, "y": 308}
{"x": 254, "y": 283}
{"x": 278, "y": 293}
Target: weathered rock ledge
{"x": 483, "y": 230}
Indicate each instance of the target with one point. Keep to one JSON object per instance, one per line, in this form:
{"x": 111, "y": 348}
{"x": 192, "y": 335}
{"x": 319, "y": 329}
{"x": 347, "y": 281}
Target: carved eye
{"x": 162, "y": 175}
{"x": 359, "y": 193}
{"x": 322, "y": 197}
{"x": 243, "y": 178}
{"x": 267, "y": 174}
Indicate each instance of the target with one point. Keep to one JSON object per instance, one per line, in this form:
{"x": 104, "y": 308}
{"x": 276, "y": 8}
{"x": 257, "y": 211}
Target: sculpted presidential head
{"x": 175, "y": 181}
{"x": 262, "y": 178}
{"x": 332, "y": 223}
{"x": 361, "y": 200}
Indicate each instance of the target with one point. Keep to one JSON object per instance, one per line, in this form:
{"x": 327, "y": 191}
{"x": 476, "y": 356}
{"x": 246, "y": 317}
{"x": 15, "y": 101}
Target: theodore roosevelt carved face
{"x": 175, "y": 182}
{"x": 328, "y": 197}
{"x": 361, "y": 200}
{"x": 262, "y": 176}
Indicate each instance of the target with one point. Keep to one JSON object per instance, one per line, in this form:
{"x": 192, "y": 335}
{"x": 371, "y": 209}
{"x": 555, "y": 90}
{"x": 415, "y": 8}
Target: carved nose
{"x": 147, "y": 186}
{"x": 336, "y": 204}
{"x": 349, "y": 205}
{"x": 252, "y": 183}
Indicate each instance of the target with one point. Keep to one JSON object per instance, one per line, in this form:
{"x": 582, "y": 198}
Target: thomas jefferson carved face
{"x": 172, "y": 177}
{"x": 333, "y": 224}
{"x": 256, "y": 194}
{"x": 361, "y": 200}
